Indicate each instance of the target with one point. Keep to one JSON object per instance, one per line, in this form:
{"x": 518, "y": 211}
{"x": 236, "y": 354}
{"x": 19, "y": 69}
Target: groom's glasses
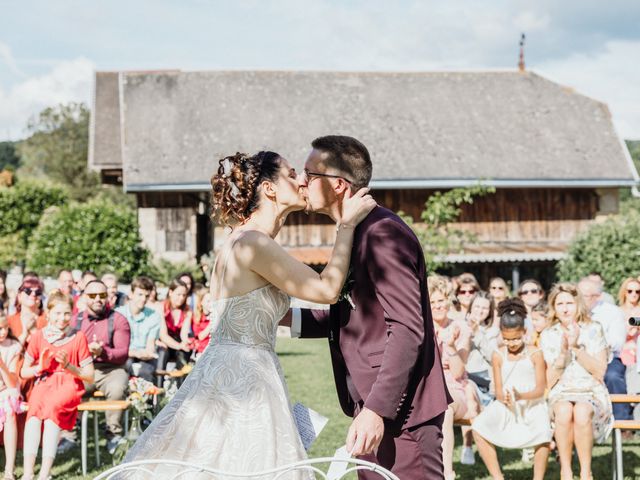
{"x": 308, "y": 175}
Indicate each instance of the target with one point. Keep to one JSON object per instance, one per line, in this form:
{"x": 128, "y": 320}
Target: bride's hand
{"x": 356, "y": 208}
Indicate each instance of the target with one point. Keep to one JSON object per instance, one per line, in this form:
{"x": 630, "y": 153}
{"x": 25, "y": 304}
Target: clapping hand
{"x": 45, "y": 359}
{"x": 572, "y": 336}
{"x": 453, "y": 337}
{"x": 62, "y": 357}
{"x": 356, "y": 207}
{"x": 95, "y": 347}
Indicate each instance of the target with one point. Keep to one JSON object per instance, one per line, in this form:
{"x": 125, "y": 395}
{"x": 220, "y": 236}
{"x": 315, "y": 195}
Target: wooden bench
{"x": 616, "y": 434}
{"x": 463, "y": 422}
{"x": 97, "y": 406}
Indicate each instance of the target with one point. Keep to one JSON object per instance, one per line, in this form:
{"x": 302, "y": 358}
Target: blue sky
{"x": 50, "y": 49}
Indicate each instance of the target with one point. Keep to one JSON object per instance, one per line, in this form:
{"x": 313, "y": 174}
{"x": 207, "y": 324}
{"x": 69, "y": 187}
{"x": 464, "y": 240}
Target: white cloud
{"x": 610, "y": 76}
{"x": 6, "y": 56}
{"x": 68, "y": 81}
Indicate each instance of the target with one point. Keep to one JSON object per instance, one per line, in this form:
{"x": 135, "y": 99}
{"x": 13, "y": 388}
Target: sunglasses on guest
{"x": 630, "y": 291}
{"x": 467, "y": 292}
{"x": 533, "y": 291}
{"x": 93, "y": 296}
{"x": 32, "y": 291}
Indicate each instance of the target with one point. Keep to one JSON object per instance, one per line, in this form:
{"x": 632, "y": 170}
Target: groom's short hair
{"x": 347, "y": 155}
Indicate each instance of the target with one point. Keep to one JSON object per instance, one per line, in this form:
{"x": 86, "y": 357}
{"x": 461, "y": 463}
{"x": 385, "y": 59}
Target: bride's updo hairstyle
{"x": 235, "y": 186}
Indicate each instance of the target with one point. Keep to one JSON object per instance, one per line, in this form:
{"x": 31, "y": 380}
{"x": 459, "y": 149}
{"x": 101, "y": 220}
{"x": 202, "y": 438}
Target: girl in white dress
{"x": 518, "y": 418}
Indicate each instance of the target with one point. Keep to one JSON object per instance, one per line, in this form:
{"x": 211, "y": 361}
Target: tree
{"x": 21, "y": 208}
{"x": 97, "y": 236}
{"x": 611, "y": 248}
{"x": 435, "y": 233}
{"x": 9, "y": 158}
{"x": 58, "y": 149}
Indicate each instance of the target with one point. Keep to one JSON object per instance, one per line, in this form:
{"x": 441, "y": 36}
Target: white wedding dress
{"x": 232, "y": 413}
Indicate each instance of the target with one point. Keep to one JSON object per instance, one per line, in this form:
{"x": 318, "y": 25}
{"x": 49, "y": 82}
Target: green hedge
{"x": 611, "y": 248}
{"x": 21, "y": 208}
{"x": 94, "y": 236}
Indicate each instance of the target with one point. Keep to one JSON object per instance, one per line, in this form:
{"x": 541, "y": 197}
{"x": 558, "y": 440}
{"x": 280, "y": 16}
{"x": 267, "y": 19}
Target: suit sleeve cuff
{"x": 296, "y": 322}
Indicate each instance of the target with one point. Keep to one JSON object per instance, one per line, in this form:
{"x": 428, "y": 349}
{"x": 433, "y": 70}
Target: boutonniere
{"x": 345, "y": 293}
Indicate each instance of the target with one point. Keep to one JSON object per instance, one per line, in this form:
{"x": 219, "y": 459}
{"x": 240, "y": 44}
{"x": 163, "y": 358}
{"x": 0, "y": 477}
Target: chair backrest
{"x": 184, "y": 470}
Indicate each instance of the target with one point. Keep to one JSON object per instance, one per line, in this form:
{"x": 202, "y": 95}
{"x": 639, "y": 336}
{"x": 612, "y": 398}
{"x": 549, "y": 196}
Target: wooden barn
{"x": 552, "y": 154}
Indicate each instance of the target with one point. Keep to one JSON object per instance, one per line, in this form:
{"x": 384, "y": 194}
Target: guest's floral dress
{"x": 576, "y": 384}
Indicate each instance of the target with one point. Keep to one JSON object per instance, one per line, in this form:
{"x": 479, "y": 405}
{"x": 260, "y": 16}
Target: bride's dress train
{"x": 232, "y": 413}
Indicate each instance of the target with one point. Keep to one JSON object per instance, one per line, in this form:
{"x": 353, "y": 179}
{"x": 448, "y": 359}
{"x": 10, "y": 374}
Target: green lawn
{"x": 308, "y": 370}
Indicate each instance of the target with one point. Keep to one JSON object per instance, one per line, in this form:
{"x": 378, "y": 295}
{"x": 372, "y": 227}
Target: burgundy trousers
{"x": 416, "y": 454}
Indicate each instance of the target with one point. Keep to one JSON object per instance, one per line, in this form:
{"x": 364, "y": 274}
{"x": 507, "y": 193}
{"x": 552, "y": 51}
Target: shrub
{"x": 163, "y": 271}
{"x": 21, "y": 208}
{"x": 611, "y": 248}
{"x": 93, "y": 236}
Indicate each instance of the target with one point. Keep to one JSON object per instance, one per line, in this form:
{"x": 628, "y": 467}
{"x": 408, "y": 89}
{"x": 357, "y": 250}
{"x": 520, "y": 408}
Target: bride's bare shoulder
{"x": 251, "y": 244}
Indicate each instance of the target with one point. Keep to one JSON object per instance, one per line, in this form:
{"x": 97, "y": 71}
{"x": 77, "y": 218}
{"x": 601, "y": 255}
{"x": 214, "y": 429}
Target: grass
{"x": 309, "y": 375}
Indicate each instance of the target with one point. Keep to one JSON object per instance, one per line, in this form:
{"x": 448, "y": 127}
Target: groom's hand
{"x": 365, "y": 433}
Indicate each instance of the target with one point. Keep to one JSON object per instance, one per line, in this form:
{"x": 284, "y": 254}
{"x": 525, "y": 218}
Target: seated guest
{"x": 115, "y": 298}
{"x": 615, "y": 332}
{"x": 201, "y": 322}
{"x": 29, "y": 316}
{"x": 60, "y": 359}
{"x": 145, "y": 330}
{"x": 4, "y": 293}
{"x": 596, "y": 278}
{"x": 466, "y": 288}
{"x": 66, "y": 284}
{"x": 109, "y": 338}
{"x": 10, "y": 401}
{"x": 79, "y": 303}
{"x": 188, "y": 280}
{"x": 519, "y": 417}
{"x": 454, "y": 341}
{"x": 499, "y": 291}
{"x": 575, "y": 352}
{"x": 629, "y": 302}
{"x": 539, "y": 321}
{"x": 484, "y": 341}
{"x": 175, "y": 344}
{"x": 531, "y": 293}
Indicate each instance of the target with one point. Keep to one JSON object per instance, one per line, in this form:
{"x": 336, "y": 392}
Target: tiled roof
{"x": 440, "y": 127}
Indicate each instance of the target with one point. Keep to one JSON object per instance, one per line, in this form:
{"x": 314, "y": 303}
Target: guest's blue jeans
{"x": 616, "y": 382}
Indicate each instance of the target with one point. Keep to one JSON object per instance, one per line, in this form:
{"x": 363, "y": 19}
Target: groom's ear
{"x": 340, "y": 186}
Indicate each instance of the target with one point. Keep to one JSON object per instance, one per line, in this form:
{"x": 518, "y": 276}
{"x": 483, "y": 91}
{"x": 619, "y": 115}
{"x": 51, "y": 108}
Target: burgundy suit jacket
{"x": 384, "y": 352}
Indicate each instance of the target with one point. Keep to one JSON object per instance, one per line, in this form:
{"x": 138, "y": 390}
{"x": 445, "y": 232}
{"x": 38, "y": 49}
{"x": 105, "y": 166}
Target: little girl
{"x": 10, "y": 403}
{"x": 519, "y": 417}
{"x": 60, "y": 360}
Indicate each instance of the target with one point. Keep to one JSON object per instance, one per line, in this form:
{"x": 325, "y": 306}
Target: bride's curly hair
{"x": 235, "y": 185}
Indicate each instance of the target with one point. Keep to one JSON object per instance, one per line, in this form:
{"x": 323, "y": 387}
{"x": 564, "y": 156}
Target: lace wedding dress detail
{"x": 232, "y": 413}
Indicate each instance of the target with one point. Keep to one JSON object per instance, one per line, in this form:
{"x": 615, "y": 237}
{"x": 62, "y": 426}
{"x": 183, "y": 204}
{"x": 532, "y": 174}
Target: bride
{"x": 232, "y": 413}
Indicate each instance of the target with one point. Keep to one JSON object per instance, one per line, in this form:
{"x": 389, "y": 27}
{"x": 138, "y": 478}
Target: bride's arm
{"x": 268, "y": 259}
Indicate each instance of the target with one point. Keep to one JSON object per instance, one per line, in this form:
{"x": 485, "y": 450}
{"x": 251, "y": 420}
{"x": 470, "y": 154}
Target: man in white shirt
{"x": 613, "y": 323}
{"x": 596, "y": 278}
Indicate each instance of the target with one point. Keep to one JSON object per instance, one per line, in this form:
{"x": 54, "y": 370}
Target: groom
{"x": 385, "y": 360}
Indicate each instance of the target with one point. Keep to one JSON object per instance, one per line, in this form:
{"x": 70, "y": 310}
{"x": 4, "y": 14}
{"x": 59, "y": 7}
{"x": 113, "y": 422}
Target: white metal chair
{"x": 188, "y": 469}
